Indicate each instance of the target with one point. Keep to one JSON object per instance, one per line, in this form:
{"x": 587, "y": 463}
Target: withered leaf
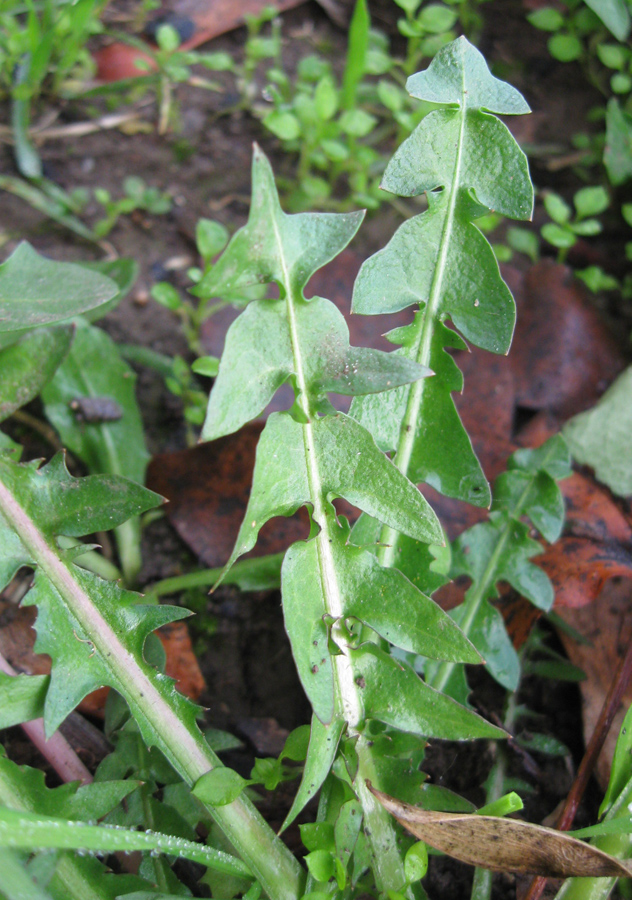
{"x": 504, "y": 845}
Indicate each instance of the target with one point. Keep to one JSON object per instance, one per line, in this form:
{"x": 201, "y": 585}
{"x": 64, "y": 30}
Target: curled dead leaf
{"x": 504, "y": 845}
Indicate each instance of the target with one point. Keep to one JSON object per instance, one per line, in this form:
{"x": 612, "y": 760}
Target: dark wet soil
{"x": 253, "y": 690}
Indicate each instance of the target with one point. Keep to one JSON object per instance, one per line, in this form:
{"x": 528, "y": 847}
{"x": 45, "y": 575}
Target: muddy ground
{"x": 205, "y": 165}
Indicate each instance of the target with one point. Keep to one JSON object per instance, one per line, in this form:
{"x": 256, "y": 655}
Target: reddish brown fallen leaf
{"x": 563, "y": 356}
{"x": 208, "y": 488}
{"x": 182, "y": 664}
{"x": 607, "y": 625}
{"x": 504, "y": 845}
{"x": 199, "y": 18}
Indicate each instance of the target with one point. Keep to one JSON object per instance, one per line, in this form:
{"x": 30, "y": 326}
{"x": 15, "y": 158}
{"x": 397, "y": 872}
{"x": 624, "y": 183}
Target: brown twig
{"x": 609, "y": 709}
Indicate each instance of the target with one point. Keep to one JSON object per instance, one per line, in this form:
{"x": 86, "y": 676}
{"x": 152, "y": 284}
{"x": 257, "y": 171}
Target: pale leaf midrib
{"x": 389, "y": 537}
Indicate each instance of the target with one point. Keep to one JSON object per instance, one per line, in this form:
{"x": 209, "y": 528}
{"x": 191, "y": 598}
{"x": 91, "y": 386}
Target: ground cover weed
{"x": 356, "y": 600}
{"x": 43, "y": 49}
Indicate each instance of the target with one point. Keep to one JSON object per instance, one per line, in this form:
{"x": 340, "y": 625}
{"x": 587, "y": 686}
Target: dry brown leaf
{"x": 504, "y": 845}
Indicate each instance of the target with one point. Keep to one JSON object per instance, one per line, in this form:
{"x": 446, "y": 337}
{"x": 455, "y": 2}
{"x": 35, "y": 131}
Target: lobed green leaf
{"x": 467, "y": 163}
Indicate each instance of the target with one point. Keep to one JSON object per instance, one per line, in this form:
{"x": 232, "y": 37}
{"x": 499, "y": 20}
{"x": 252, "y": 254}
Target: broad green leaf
{"x": 26, "y": 366}
{"x": 450, "y": 466}
{"x": 614, "y": 14}
{"x": 459, "y": 75}
{"x": 258, "y": 358}
{"x": 617, "y": 156}
{"x": 95, "y": 633}
{"x": 351, "y": 467}
{"x": 490, "y": 545}
{"x": 219, "y": 787}
{"x": 488, "y": 630}
{"x": 427, "y": 566}
{"x": 123, "y": 271}
{"x": 396, "y": 695}
{"x": 600, "y": 437}
{"x": 467, "y": 163}
{"x": 76, "y": 506}
{"x": 321, "y": 751}
{"x": 94, "y": 369}
{"x": 21, "y": 698}
{"x": 37, "y": 291}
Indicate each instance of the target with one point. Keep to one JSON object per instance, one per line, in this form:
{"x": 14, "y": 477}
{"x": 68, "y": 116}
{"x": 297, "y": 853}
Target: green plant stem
{"x": 145, "y": 356}
{"x": 618, "y": 845}
{"x": 258, "y": 574}
{"x": 482, "y": 885}
{"x": 158, "y": 863}
{"x": 478, "y": 592}
{"x": 16, "y": 881}
{"x": 389, "y": 537}
{"x": 184, "y": 746}
{"x": 378, "y": 825}
{"x": 91, "y": 560}
{"x": 128, "y": 545}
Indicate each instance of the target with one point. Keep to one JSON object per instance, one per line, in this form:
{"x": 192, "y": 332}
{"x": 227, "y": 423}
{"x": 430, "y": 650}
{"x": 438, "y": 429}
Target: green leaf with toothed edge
{"x": 258, "y": 359}
{"x": 451, "y": 467}
{"x": 351, "y": 466}
{"x": 95, "y": 369}
{"x": 381, "y": 598}
{"x": 500, "y": 550}
{"x": 262, "y": 346}
{"x": 274, "y": 246}
{"x": 467, "y": 162}
{"x": 394, "y": 694}
{"x": 95, "y": 633}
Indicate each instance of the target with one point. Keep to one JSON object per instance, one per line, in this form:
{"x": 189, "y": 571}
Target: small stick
{"x": 609, "y": 709}
{"x": 56, "y": 749}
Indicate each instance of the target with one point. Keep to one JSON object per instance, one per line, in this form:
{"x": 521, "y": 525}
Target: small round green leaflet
{"x": 165, "y": 294}
{"x": 219, "y": 787}
{"x": 295, "y": 747}
{"x": 565, "y": 47}
{"x": 321, "y": 864}
{"x": 211, "y": 237}
{"x": 27, "y": 831}
{"x": 416, "y": 862}
{"x": 206, "y": 365}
